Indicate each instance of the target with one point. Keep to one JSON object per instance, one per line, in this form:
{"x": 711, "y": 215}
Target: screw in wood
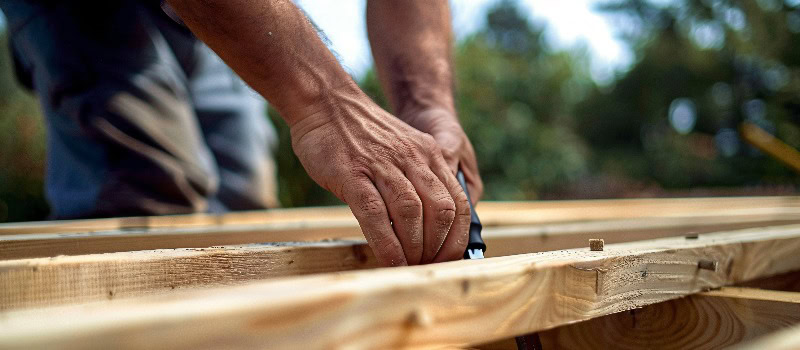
{"x": 596, "y": 244}
{"x": 710, "y": 265}
{"x": 692, "y": 235}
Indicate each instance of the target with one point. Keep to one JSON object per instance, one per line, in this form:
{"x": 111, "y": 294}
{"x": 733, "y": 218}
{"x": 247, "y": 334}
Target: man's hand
{"x": 394, "y": 178}
{"x": 443, "y": 125}
{"x": 411, "y": 42}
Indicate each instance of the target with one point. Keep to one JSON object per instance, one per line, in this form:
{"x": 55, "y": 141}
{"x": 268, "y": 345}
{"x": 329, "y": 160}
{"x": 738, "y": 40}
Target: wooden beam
{"x": 502, "y": 241}
{"x": 31, "y": 245}
{"x": 711, "y": 320}
{"x": 60, "y": 280}
{"x": 336, "y": 215}
{"x": 544, "y": 212}
{"x": 492, "y": 214}
{"x": 448, "y": 304}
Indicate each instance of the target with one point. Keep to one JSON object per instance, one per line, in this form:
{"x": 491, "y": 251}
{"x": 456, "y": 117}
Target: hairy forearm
{"x": 272, "y": 46}
{"x": 411, "y": 42}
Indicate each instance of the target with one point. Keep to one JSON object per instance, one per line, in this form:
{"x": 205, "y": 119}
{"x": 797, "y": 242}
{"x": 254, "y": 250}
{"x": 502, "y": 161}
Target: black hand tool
{"x": 475, "y": 250}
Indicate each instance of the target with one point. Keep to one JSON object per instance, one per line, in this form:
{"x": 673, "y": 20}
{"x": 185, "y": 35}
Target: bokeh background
{"x": 562, "y": 99}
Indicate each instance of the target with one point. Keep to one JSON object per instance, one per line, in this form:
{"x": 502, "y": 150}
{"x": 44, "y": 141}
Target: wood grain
{"x": 31, "y": 245}
{"x": 542, "y": 212}
{"x": 711, "y": 320}
{"x": 501, "y": 240}
{"x": 448, "y": 304}
{"x": 333, "y": 214}
{"x": 74, "y": 279}
{"x": 492, "y": 214}
{"x": 38, "y": 282}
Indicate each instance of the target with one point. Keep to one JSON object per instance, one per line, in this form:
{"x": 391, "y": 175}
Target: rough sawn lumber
{"x": 711, "y": 320}
{"x": 456, "y": 303}
{"x": 492, "y": 214}
{"x": 61, "y": 280}
{"x": 501, "y": 240}
{"x": 69, "y": 279}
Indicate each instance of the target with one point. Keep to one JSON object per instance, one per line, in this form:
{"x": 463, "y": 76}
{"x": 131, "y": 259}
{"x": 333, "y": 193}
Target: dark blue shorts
{"x": 141, "y": 117}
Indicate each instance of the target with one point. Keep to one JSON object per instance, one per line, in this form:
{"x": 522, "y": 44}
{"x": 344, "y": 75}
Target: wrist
{"x": 319, "y": 100}
{"x": 333, "y": 104}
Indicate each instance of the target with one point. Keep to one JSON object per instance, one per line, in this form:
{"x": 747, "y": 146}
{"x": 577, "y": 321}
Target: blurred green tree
{"x": 515, "y": 98}
{"x": 21, "y": 147}
{"x": 543, "y": 129}
{"x": 702, "y": 68}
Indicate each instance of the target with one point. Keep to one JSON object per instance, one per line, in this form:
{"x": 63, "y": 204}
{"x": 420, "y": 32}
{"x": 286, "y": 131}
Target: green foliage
{"x": 21, "y": 148}
{"x": 515, "y": 98}
{"x": 696, "y": 51}
{"x": 543, "y": 129}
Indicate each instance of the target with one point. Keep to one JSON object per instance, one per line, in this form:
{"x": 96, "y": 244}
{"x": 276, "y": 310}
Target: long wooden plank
{"x": 336, "y": 215}
{"x": 502, "y": 241}
{"x": 492, "y": 214}
{"x": 59, "y": 280}
{"x": 74, "y": 279}
{"x": 711, "y": 320}
{"x": 542, "y": 212}
{"x": 456, "y": 303}
{"x": 32, "y": 245}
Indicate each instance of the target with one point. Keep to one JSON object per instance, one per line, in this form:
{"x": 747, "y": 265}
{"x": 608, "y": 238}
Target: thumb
{"x": 450, "y": 144}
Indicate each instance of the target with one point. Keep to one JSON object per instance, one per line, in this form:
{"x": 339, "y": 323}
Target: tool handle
{"x": 475, "y": 227}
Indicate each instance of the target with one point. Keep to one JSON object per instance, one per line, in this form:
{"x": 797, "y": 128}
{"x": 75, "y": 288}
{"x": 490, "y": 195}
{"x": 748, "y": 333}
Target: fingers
{"x": 405, "y": 212}
{"x": 456, "y": 241}
{"x": 451, "y": 146}
{"x": 438, "y": 209}
{"x": 458, "y": 151}
{"x": 370, "y": 210}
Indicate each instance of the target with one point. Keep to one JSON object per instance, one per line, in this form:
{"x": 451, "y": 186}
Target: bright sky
{"x": 569, "y": 23}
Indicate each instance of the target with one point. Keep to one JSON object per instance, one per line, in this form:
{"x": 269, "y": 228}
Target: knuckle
{"x": 429, "y": 142}
{"x": 448, "y": 153}
{"x": 445, "y": 212}
{"x": 429, "y": 180}
{"x": 462, "y": 204}
{"x": 408, "y": 205}
{"x": 371, "y": 207}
